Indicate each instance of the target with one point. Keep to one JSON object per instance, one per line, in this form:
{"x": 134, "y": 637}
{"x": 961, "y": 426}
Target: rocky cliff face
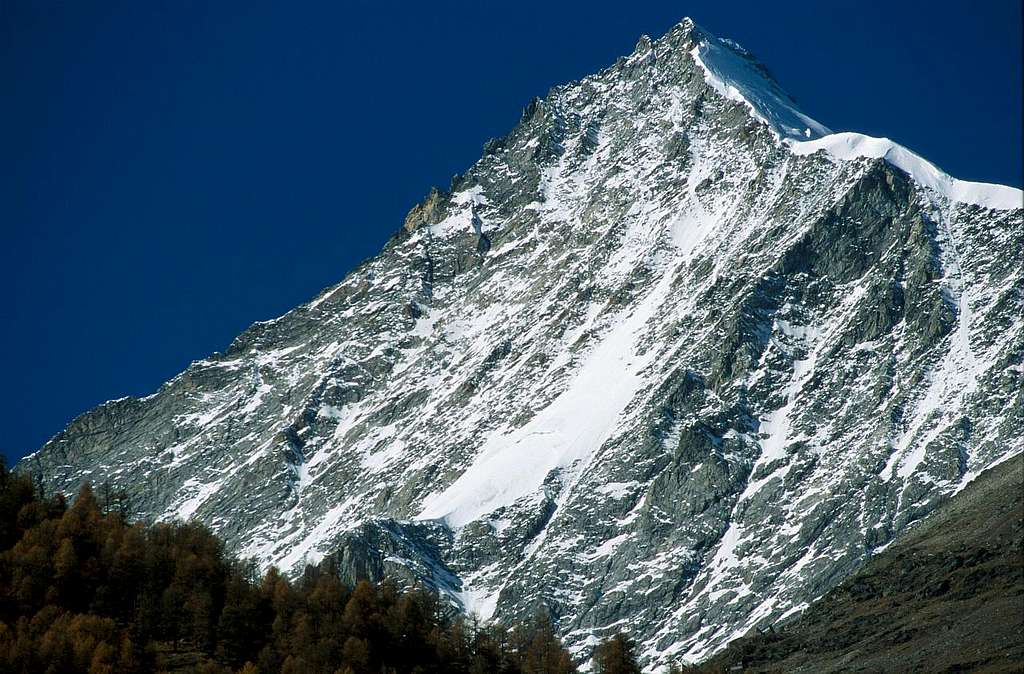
{"x": 946, "y": 597}
{"x": 669, "y": 358}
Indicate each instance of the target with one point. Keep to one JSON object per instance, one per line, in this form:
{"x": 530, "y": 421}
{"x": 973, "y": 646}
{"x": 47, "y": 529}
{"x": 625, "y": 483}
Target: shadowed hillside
{"x": 947, "y": 598}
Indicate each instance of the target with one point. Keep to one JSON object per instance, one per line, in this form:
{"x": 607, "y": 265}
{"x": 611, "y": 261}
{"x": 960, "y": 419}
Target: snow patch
{"x": 569, "y": 430}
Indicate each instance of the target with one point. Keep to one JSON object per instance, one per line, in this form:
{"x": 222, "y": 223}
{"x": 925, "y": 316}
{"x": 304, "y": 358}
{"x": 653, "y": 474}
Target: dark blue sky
{"x": 172, "y": 172}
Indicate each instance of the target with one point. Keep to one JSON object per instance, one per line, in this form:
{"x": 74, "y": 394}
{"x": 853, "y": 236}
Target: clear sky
{"x": 172, "y": 172}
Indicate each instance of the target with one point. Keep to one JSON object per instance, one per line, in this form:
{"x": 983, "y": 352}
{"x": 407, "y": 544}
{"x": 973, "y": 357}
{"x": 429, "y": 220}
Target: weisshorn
{"x": 671, "y": 358}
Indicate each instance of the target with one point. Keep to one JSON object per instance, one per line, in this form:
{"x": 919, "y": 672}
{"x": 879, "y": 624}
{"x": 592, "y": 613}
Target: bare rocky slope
{"x": 947, "y": 597}
{"x": 670, "y": 358}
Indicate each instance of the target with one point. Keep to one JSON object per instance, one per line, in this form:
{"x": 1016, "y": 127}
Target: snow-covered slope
{"x": 653, "y": 362}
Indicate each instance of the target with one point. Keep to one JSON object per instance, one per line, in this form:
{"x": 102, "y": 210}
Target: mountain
{"x": 670, "y": 358}
{"x": 948, "y": 597}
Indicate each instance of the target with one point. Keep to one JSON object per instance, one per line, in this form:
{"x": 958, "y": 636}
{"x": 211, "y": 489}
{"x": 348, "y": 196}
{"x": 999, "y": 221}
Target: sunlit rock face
{"x": 670, "y": 358}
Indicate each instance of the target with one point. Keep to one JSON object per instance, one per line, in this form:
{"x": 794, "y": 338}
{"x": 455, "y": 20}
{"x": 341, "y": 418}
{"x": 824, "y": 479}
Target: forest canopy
{"x": 84, "y": 590}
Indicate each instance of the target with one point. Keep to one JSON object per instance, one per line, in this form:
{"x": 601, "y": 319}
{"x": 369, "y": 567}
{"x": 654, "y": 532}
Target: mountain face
{"x": 670, "y": 358}
{"x": 947, "y": 597}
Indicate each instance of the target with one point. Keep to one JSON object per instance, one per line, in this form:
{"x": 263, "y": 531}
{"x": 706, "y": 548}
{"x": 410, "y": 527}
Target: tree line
{"x": 84, "y": 590}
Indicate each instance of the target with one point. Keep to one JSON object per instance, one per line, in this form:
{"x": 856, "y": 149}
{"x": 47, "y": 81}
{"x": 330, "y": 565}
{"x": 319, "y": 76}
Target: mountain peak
{"x": 736, "y": 74}
{"x": 627, "y": 369}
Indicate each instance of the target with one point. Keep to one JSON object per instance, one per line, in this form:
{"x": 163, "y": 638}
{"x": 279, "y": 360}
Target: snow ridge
{"x": 847, "y": 146}
{"x": 733, "y": 73}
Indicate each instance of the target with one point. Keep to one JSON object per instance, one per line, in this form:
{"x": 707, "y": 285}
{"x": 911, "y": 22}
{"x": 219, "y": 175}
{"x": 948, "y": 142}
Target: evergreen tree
{"x": 542, "y": 653}
{"x": 616, "y": 656}
{"x": 82, "y": 591}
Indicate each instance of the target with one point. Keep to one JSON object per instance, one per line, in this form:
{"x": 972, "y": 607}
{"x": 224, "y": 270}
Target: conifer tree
{"x": 82, "y": 592}
{"x": 616, "y": 656}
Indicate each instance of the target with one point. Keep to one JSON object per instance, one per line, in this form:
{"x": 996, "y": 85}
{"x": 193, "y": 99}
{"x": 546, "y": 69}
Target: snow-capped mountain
{"x": 670, "y": 358}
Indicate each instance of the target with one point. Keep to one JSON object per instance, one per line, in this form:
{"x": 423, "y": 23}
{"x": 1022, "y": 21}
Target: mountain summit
{"x": 670, "y": 358}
